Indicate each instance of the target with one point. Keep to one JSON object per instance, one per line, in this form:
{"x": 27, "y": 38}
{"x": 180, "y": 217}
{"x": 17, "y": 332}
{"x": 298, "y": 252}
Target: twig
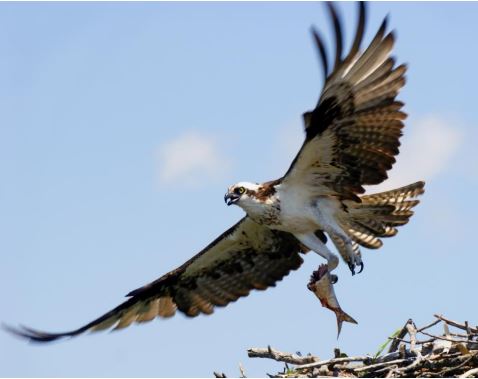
{"x": 412, "y": 331}
{"x": 391, "y": 371}
{"x": 400, "y": 354}
{"x": 402, "y": 351}
{"x": 468, "y": 331}
{"x": 469, "y": 373}
{"x": 412, "y": 366}
{"x": 456, "y": 324}
{"x": 460, "y": 335}
{"x": 380, "y": 365}
{"x": 383, "y": 370}
{"x": 399, "y": 336}
{"x": 408, "y": 342}
{"x": 429, "y": 325}
{"x": 280, "y": 356}
{"x": 451, "y": 369}
{"x": 334, "y": 361}
{"x": 443, "y": 338}
{"x": 443, "y": 355}
{"x": 242, "y": 371}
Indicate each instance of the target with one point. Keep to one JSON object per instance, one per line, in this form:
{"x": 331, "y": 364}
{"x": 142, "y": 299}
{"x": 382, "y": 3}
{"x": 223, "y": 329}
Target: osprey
{"x": 351, "y": 140}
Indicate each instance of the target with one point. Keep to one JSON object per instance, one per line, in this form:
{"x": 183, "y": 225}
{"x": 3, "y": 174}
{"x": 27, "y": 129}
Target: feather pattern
{"x": 378, "y": 215}
{"x": 246, "y": 257}
{"x": 352, "y": 135}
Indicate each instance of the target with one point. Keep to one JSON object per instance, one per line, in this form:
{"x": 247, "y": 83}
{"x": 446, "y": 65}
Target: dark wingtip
{"x": 338, "y": 32}
{"x": 19, "y": 332}
{"x": 359, "y": 33}
{"x": 10, "y": 329}
{"x": 322, "y": 52}
{"x": 362, "y": 8}
{"x": 30, "y": 334}
{"x": 384, "y": 24}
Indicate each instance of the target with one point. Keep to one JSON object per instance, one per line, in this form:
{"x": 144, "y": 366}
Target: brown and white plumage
{"x": 351, "y": 140}
{"x": 378, "y": 216}
{"x": 247, "y": 256}
{"x": 352, "y": 135}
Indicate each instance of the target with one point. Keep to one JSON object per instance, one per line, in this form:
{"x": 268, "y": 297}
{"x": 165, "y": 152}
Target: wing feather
{"x": 338, "y": 34}
{"x": 321, "y": 50}
{"x": 247, "y": 256}
{"x": 352, "y": 135}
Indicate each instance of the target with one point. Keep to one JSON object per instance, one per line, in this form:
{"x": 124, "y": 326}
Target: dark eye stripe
{"x": 239, "y": 190}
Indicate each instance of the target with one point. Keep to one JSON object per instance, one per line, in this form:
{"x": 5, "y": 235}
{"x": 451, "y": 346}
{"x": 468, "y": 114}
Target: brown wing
{"x": 247, "y": 256}
{"x": 352, "y": 136}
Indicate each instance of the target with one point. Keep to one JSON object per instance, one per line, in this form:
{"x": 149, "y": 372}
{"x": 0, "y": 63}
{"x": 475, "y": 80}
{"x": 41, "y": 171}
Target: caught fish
{"x": 322, "y": 284}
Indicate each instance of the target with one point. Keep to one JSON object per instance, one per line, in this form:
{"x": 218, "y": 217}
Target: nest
{"x": 443, "y": 348}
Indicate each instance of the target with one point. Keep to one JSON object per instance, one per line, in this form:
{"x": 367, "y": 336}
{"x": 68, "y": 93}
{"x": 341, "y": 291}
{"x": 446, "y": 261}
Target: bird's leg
{"x": 354, "y": 258}
{"x": 326, "y": 212}
{"x": 315, "y": 244}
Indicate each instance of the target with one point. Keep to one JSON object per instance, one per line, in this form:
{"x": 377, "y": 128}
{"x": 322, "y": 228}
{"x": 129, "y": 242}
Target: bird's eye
{"x": 240, "y": 190}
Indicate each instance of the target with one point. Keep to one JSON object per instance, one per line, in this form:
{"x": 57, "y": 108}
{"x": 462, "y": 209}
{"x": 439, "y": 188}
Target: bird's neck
{"x": 264, "y": 211}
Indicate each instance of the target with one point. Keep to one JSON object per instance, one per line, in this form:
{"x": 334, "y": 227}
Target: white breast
{"x": 297, "y": 212}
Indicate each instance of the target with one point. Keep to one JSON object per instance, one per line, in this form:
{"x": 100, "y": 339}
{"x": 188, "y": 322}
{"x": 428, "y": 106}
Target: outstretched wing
{"x": 352, "y": 136}
{"x": 247, "y": 256}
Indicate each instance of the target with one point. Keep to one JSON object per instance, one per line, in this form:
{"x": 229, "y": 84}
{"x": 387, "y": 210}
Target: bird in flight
{"x": 351, "y": 140}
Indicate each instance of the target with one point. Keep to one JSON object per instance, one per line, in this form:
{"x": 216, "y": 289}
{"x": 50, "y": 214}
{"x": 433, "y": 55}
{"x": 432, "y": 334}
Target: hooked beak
{"x": 231, "y": 198}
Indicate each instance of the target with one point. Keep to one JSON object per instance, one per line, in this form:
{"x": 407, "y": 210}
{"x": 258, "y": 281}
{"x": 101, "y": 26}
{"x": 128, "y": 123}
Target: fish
{"x": 322, "y": 285}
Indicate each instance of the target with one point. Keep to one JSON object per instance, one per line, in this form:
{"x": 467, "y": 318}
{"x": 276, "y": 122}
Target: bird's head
{"x": 242, "y": 194}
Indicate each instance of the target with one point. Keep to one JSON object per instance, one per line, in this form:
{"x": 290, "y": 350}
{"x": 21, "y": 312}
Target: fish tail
{"x": 341, "y": 317}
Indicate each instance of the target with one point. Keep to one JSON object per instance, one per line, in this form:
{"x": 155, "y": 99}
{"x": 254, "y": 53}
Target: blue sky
{"x": 96, "y": 100}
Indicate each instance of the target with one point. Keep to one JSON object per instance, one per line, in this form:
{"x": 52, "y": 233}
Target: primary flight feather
{"x": 351, "y": 140}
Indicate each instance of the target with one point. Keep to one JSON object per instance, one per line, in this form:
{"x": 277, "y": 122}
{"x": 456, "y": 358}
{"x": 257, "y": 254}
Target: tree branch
{"x": 456, "y": 324}
{"x": 280, "y": 356}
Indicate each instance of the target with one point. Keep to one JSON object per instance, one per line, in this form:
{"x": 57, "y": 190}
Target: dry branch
{"x": 451, "y": 354}
{"x": 473, "y": 371}
{"x": 334, "y": 361}
{"x": 280, "y": 356}
{"x": 456, "y": 324}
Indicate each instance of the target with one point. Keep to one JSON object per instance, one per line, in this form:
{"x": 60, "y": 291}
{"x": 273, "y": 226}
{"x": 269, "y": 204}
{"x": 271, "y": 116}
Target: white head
{"x": 251, "y": 197}
{"x": 241, "y": 193}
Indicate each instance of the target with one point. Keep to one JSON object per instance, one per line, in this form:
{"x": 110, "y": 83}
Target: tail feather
{"x": 390, "y": 232}
{"x": 406, "y": 205}
{"x": 364, "y": 236}
{"x": 396, "y": 196}
{"x": 378, "y": 215}
{"x": 374, "y": 226}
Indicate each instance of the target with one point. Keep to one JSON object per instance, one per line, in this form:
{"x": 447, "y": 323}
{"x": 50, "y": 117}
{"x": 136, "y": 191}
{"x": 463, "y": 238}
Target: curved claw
{"x": 352, "y": 268}
{"x": 361, "y": 267}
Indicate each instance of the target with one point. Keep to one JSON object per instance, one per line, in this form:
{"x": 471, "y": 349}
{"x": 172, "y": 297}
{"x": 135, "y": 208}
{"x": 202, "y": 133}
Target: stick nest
{"x": 450, "y": 351}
